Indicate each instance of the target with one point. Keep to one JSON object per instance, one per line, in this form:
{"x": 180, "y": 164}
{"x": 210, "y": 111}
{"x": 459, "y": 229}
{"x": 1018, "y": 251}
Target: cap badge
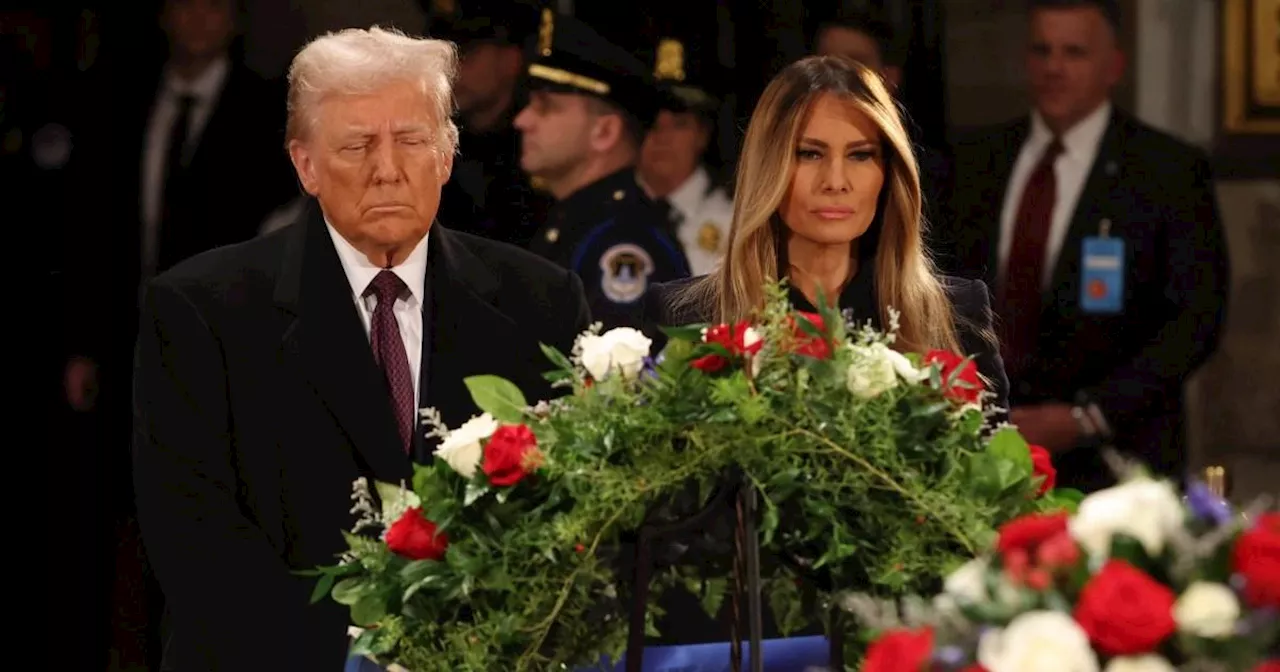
{"x": 545, "y": 32}
{"x": 670, "y": 63}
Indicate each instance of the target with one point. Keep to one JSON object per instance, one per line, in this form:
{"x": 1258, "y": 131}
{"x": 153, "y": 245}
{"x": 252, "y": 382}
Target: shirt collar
{"x": 1080, "y": 141}
{"x": 360, "y": 271}
{"x": 687, "y": 196}
{"x": 203, "y": 88}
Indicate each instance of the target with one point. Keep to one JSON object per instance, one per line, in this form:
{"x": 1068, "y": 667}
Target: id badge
{"x": 1102, "y": 275}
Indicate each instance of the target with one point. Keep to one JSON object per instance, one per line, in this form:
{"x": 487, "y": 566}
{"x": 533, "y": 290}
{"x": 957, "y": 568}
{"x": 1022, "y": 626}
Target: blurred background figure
{"x": 673, "y": 167}
{"x": 489, "y": 195}
{"x": 868, "y": 37}
{"x": 590, "y": 107}
{"x": 1043, "y": 205}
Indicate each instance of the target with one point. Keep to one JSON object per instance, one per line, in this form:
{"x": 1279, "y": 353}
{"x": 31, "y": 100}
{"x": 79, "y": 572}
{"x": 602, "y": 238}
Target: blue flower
{"x": 950, "y": 656}
{"x": 650, "y": 368}
{"x": 1208, "y": 506}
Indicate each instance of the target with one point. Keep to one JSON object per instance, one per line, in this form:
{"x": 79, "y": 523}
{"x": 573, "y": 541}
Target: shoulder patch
{"x": 624, "y": 272}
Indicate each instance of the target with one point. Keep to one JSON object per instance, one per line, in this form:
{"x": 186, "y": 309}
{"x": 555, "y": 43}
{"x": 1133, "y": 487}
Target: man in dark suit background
{"x": 1102, "y": 239}
{"x": 272, "y": 374}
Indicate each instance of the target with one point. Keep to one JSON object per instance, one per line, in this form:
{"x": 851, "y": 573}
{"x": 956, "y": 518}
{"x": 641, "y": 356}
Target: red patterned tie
{"x": 1020, "y": 294}
{"x": 389, "y": 352}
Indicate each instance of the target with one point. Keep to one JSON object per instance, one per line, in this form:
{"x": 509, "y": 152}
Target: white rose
{"x": 461, "y": 448}
{"x": 1147, "y": 663}
{"x": 1145, "y": 509}
{"x": 622, "y": 349}
{"x": 968, "y": 584}
{"x": 1207, "y": 610}
{"x": 1045, "y": 641}
{"x": 875, "y": 369}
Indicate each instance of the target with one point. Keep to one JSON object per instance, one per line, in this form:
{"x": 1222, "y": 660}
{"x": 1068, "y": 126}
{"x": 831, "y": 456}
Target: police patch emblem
{"x": 624, "y": 272}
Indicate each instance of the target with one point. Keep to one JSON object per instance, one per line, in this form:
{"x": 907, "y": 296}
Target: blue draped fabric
{"x": 796, "y": 654}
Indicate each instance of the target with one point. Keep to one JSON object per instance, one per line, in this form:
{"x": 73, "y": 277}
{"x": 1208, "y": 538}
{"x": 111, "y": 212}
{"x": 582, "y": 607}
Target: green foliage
{"x": 883, "y": 494}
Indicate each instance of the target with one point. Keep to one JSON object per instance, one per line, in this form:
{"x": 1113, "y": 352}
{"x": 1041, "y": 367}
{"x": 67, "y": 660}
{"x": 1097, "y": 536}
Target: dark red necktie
{"x": 1020, "y": 294}
{"x": 389, "y": 352}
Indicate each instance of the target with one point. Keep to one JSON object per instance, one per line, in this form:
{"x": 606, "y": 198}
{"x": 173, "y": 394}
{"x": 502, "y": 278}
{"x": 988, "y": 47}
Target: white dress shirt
{"x": 205, "y": 89}
{"x": 408, "y": 310}
{"x": 1071, "y": 170}
{"x": 705, "y": 215}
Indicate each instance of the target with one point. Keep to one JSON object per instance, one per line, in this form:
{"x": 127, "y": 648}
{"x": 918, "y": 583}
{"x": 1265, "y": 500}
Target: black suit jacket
{"x": 257, "y": 403}
{"x": 1157, "y": 194}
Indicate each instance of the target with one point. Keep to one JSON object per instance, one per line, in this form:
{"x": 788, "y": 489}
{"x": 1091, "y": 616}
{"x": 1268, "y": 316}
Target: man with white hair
{"x": 272, "y": 374}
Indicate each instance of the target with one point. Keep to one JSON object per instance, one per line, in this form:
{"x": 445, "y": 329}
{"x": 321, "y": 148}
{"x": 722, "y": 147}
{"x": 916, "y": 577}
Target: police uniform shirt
{"x": 702, "y": 215}
{"x": 617, "y": 242}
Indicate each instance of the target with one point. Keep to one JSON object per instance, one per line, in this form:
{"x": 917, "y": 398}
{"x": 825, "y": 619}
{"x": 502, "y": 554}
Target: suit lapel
{"x": 328, "y": 346}
{"x": 1092, "y": 207}
{"x": 468, "y": 334}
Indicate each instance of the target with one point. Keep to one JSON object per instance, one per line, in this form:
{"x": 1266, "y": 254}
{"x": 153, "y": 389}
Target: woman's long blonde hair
{"x": 905, "y": 278}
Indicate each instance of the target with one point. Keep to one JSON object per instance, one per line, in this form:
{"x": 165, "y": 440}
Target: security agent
{"x": 673, "y": 160}
{"x": 589, "y": 104}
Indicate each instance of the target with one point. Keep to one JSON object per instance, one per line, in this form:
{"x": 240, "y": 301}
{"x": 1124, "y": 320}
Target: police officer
{"x": 673, "y": 160}
{"x": 488, "y": 194}
{"x": 589, "y": 105}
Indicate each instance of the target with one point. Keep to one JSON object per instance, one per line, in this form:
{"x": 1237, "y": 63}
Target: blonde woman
{"x": 829, "y": 198}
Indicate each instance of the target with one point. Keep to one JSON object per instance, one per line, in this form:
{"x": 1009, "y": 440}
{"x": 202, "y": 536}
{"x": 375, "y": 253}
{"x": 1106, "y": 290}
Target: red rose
{"x": 900, "y": 651}
{"x": 1124, "y": 611}
{"x": 965, "y": 387}
{"x": 1042, "y": 465}
{"x": 1026, "y": 533}
{"x": 810, "y": 345}
{"x": 1269, "y": 666}
{"x": 415, "y": 537}
{"x": 510, "y": 455}
{"x": 732, "y": 338}
{"x": 1257, "y": 558}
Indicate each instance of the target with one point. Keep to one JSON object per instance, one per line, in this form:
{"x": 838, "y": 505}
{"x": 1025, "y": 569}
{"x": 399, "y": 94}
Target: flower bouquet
{"x": 1138, "y": 580}
{"x": 873, "y": 468}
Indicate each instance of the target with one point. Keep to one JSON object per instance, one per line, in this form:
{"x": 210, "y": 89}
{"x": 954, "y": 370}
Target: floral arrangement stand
{"x": 733, "y": 492}
{"x": 793, "y": 458}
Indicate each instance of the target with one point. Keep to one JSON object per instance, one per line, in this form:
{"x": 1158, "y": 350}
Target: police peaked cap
{"x": 572, "y": 57}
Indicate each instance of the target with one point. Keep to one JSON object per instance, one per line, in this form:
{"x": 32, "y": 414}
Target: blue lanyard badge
{"x": 1102, "y": 273}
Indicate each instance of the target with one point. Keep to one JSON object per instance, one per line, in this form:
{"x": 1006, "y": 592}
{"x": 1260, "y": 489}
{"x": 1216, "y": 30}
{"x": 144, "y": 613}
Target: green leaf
{"x": 498, "y": 397}
{"x": 1125, "y": 547}
{"x": 323, "y": 586}
{"x": 368, "y": 609}
{"x": 692, "y": 333}
{"x": 556, "y": 357}
{"x": 474, "y": 491}
{"x": 1008, "y": 444}
{"x": 350, "y": 590}
{"x": 769, "y": 523}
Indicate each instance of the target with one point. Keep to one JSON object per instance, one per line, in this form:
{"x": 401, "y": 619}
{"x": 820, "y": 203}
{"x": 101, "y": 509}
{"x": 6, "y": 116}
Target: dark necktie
{"x": 671, "y": 216}
{"x": 389, "y": 352}
{"x": 168, "y": 248}
{"x": 1020, "y": 294}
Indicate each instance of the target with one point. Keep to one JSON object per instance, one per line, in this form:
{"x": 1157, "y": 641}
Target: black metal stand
{"x": 742, "y": 499}
{"x": 755, "y": 612}
{"x": 643, "y": 567}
